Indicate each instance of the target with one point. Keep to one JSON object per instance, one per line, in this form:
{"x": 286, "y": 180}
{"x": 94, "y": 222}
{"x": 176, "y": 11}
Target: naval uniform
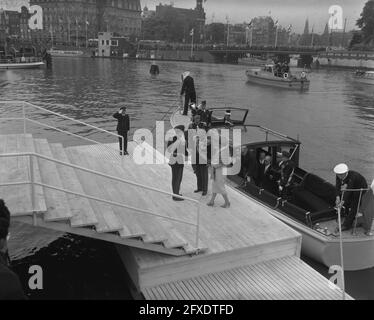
{"x": 123, "y": 127}
{"x": 353, "y": 180}
{"x": 188, "y": 89}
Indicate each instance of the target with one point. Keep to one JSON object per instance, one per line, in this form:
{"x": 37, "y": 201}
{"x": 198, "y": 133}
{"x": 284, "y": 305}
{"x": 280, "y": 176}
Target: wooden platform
{"x": 156, "y": 251}
{"x": 287, "y": 278}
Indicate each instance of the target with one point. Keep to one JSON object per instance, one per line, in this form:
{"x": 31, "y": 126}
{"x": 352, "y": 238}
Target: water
{"x": 334, "y": 119}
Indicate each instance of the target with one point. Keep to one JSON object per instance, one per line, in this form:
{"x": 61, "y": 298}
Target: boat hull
{"x": 278, "y": 82}
{"x": 358, "y": 251}
{"x": 366, "y": 81}
{"x": 26, "y": 65}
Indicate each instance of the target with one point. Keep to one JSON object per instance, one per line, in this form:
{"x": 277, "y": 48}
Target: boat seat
{"x": 314, "y": 194}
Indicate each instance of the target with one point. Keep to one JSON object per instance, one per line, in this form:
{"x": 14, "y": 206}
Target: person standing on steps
{"x": 123, "y": 127}
{"x": 177, "y": 149}
{"x": 188, "y": 90}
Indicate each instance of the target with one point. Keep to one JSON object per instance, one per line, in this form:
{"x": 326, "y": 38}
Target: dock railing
{"x": 33, "y": 156}
{"x": 26, "y": 119}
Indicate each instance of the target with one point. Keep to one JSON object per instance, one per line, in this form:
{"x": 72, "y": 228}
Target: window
{"x": 107, "y": 42}
{"x": 114, "y": 43}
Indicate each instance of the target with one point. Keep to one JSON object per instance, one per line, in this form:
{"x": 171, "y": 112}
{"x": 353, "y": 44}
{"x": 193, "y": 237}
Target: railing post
{"x": 24, "y": 119}
{"x": 341, "y": 245}
{"x": 123, "y": 151}
{"x": 32, "y": 189}
{"x": 198, "y": 227}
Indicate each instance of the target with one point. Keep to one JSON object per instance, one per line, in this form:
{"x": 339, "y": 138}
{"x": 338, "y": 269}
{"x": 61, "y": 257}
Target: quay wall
{"x": 347, "y": 60}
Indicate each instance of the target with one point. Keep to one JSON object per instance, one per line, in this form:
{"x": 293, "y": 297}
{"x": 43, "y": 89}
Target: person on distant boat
{"x": 23, "y": 59}
{"x": 188, "y": 90}
{"x": 10, "y": 285}
{"x": 123, "y": 127}
{"x": 177, "y": 148}
{"x": 287, "y": 169}
{"x": 348, "y": 179}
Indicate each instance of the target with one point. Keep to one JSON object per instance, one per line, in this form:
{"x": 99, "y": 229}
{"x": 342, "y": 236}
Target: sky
{"x": 287, "y": 12}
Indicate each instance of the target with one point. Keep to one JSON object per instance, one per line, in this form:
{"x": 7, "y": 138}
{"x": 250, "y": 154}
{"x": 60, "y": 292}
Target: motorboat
{"x": 364, "y": 76}
{"x": 310, "y": 207}
{"x": 29, "y": 63}
{"x": 267, "y": 75}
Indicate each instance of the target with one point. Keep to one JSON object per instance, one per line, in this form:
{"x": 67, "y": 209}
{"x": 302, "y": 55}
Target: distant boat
{"x": 20, "y": 65}
{"x": 252, "y": 61}
{"x": 65, "y": 53}
{"x": 364, "y": 76}
{"x": 267, "y": 76}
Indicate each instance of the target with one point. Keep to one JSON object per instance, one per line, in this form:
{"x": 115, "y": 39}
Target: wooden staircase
{"x": 68, "y": 212}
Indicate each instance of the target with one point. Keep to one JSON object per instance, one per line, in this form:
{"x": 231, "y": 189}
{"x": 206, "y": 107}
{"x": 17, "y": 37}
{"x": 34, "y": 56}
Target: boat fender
{"x": 303, "y": 75}
{"x": 285, "y": 76}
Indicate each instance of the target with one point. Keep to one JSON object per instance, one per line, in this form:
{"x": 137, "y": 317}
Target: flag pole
{"x": 86, "y": 33}
{"x": 193, "y": 32}
{"x": 276, "y": 36}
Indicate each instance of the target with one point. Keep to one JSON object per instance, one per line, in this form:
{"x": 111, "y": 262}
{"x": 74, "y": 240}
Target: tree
{"x": 366, "y": 22}
{"x": 356, "y": 39}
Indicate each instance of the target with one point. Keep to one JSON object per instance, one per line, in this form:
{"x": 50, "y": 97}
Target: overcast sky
{"x": 287, "y": 12}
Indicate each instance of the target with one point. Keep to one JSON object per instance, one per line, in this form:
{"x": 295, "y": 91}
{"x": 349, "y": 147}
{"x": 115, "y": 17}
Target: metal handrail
{"x": 34, "y": 183}
{"x": 23, "y": 103}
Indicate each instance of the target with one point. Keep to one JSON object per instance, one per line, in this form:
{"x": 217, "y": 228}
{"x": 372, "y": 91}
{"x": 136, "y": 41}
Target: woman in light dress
{"x": 218, "y": 181}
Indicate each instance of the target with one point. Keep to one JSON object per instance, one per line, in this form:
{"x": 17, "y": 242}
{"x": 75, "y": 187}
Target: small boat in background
{"x": 66, "y": 53}
{"x": 364, "y": 76}
{"x": 21, "y": 63}
{"x": 268, "y": 76}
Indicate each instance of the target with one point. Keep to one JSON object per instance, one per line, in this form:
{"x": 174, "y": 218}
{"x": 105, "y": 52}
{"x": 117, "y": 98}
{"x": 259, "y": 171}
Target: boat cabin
{"x": 309, "y": 200}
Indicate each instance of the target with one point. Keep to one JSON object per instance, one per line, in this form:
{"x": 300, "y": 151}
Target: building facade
{"x": 75, "y": 21}
{"x": 15, "y": 24}
{"x": 191, "y": 18}
{"x": 263, "y": 32}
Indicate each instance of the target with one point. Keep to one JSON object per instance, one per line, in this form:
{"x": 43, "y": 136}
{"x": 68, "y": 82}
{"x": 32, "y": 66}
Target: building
{"x": 263, "y": 32}
{"x": 191, "y": 19}
{"x": 75, "y": 21}
{"x": 147, "y": 13}
{"x": 14, "y": 24}
{"x": 111, "y": 46}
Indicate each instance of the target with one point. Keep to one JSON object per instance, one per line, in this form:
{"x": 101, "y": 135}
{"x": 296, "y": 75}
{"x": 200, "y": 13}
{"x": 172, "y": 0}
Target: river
{"x": 334, "y": 120}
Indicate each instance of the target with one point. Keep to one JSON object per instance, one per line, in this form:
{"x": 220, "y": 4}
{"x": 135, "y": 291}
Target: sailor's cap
{"x": 341, "y": 168}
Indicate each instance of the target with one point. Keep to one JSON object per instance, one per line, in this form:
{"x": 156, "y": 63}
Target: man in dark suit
{"x": 123, "y": 127}
{"x": 201, "y": 167}
{"x": 188, "y": 90}
{"x": 266, "y": 179}
{"x": 287, "y": 168}
{"x": 348, "y": 179}
{"x": 177, "y": 149}
{"x": 205, "y": 116}
{"x": 10, "y": 286}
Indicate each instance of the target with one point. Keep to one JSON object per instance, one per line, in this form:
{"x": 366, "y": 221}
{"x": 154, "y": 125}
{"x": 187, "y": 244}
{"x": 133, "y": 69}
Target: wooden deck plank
{"x": 251, "y": 285}
{"x": 57, "y": 203}
{"x": 107, "y": 220}
{"x": 83, "y": 214}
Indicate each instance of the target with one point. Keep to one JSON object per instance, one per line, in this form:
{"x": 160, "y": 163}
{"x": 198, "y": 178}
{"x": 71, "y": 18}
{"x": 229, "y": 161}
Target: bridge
{"x": 232, "y": 54}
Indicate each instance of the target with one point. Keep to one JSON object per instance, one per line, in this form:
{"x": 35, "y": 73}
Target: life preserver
{"x": 285, "y": 75}
{"x": 303, "y": 74}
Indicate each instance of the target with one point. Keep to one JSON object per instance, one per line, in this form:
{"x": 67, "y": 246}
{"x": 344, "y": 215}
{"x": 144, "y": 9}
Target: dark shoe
{"x": 178, "y": 199}
{"x": 204, "y": 193}
{"x": 126, "y": 153}
{"x": 196, "y": 191}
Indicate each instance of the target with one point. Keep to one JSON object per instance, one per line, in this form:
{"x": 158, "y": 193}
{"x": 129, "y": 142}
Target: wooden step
{"x": 16, "y": 169}
{"x": 57, "y": 203}
{"x": 158, "y": 230}
{"x": 165, "y": 231}
{"x": 83, "y": 214}
{"x": 107, "y": 220}
{"x": 113, "y": 191}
